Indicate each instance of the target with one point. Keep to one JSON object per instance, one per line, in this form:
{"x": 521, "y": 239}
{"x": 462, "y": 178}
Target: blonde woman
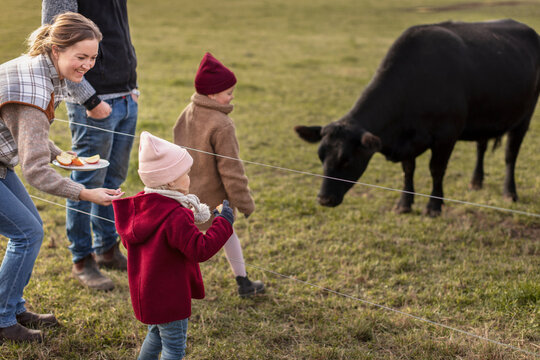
{"x": 31, "y": 86}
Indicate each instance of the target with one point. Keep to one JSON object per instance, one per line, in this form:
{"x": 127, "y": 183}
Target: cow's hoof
{"x": 475, "y": 185}
{"x": 402, "y": 209}
{"x": 329, "y": 201}
{"x": 432, "y": 212}
{"x": 510, "y": 197}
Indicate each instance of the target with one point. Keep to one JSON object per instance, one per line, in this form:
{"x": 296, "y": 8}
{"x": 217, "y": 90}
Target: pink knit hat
{"x": 212, "y": 76}
{"x": 161, "y": 162}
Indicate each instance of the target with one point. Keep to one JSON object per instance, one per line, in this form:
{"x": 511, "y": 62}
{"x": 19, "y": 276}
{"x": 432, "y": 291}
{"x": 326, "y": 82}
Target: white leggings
{"x": 233, "y": 252}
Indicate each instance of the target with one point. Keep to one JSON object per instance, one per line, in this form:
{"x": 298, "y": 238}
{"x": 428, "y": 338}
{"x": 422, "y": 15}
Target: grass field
{"x": 473, "y": 269}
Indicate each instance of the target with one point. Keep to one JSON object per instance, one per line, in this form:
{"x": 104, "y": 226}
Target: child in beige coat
{"x": 205, "y": 125}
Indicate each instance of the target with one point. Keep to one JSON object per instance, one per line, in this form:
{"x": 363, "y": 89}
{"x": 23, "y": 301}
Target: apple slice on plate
{"x": 64, "y": 158}
{"x": 92, "y": 159}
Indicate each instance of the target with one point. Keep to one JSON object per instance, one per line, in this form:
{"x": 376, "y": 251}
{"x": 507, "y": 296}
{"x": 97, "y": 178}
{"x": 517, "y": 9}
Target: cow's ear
{"x": 371, "y": 141}
{"x": 310, "y": 134}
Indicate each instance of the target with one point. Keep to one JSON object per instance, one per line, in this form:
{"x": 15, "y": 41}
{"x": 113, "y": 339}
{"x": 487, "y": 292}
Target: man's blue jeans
{"x": 169, "y": 339}
{"x": 106, "y": 138}
{"x": 21, "y": 224}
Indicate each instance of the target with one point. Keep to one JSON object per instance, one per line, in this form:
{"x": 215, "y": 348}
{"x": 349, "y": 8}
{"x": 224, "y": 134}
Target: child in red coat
{"x": 157, "y": 227}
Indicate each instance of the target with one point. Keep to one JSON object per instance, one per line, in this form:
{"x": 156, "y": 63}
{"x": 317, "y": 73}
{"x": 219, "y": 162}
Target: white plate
{"x": 102, "y": 163}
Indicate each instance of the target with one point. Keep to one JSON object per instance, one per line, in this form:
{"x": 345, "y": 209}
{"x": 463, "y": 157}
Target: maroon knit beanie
{"x": 212, "y": 76}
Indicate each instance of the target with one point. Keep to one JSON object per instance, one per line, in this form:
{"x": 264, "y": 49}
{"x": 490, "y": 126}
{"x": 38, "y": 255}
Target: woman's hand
{"x": 100, "y": 196}
{"x": 101, "y": 111}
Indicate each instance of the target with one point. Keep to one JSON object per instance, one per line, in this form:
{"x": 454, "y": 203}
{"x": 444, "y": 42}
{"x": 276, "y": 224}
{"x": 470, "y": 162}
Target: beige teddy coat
{"x": 204, "y": 125}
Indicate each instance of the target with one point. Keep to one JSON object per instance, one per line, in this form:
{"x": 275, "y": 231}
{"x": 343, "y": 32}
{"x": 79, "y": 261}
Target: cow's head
{"x": 344, "y": 152}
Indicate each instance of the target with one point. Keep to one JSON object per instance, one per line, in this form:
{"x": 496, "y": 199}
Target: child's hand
{"x": 225, "y": 211}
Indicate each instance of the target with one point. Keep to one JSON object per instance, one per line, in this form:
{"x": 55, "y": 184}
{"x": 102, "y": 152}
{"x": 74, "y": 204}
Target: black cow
{"x": 439, "y": 83}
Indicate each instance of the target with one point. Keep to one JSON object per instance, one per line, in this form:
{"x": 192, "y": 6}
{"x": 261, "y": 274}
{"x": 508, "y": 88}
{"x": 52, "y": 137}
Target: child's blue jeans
{"x": 169, "y": 339}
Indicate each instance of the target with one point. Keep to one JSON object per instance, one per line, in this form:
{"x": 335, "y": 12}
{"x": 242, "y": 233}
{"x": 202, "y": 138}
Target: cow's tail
{"x": 497, "y": 143}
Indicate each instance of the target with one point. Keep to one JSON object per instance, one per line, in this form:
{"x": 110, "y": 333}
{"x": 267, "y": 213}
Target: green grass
{"x": 306, "y": 62}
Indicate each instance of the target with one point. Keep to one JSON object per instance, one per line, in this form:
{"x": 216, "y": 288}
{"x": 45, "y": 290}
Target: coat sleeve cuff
{"x": 92, "y": 102}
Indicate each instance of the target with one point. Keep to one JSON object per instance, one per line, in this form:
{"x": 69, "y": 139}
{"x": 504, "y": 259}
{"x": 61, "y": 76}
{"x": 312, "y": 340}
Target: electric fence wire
{"x": 519, "y": 212}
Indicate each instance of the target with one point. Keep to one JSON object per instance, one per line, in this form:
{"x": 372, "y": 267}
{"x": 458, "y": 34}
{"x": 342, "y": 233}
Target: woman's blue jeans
{"x": 169, "y": 339}
{"x": 21, "y": 224}
{"x": 106, "y": 138}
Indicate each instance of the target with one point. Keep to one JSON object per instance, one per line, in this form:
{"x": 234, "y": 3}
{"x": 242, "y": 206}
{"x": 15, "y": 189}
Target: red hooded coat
{"x": 164, "y": 248}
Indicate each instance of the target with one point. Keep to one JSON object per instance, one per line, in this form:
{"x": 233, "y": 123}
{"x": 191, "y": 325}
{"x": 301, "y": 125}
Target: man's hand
{"x": 101, "y": 111}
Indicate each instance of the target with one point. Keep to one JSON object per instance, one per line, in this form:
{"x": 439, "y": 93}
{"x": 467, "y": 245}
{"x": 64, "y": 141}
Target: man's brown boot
{"x": 88, "y": 274}
{"x": 29, "y": 318}
{"x": 19, "y": 333}
{"x": 112, "y": 259}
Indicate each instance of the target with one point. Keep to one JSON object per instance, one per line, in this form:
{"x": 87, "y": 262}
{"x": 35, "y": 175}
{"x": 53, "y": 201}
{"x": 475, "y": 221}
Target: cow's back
{"x": 503, "y": 75}
{"x": 480, "y": 77}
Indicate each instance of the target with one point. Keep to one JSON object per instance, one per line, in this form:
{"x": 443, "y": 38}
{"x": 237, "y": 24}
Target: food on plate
{"x": 67, "y": 159}
{"x": 64, "y": 158}
{"x": 76, "y": 162}
{"x": 92, "y": 159}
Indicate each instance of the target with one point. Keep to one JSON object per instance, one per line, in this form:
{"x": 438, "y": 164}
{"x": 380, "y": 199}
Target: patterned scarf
{"x": 201, "y": 212}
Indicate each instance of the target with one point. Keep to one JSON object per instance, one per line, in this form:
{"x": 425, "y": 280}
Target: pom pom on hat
{"x": 160, "y": 161}
{"x": 212, "y": 76}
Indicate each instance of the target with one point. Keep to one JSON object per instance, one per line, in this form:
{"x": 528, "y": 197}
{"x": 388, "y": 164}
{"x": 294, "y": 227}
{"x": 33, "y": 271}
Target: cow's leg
{"x": 437, "y": 166}
{"x": 515, "y": 137}
{"x": 407, "y": 196}
{"x": 478, "y": 174}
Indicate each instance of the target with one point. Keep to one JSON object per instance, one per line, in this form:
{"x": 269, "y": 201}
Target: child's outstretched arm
{"x": 197, "y": 246}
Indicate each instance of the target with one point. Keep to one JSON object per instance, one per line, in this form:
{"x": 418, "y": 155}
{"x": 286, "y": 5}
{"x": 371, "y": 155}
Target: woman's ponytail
{"x": 66, "y": 30}
{"x": 39, "y": 41}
